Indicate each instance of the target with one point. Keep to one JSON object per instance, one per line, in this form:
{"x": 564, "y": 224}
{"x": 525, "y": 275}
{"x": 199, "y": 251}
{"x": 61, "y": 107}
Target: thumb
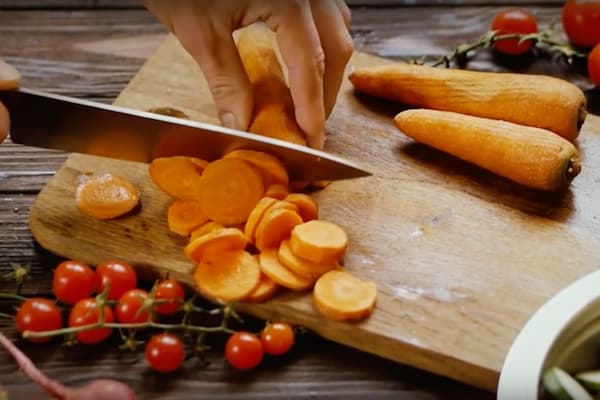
{"x": 9, "y": 79}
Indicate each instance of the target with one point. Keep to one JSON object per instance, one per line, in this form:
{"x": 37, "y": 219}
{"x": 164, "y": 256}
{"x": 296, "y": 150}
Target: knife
{"x": 73, "y": 125}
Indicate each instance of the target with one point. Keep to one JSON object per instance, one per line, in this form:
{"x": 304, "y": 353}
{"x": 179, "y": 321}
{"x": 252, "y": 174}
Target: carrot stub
{"x": 300, "y": 266}
{"x": 319, "y": 241}
{"x": 184, "y": 216}
{"x": 340, "y": 296}
{"x": 533, "y": 157}
{"x": 178, "y": 176}
{"x": 274, "y": 269}
{"x": 229, "y": 189}
{"x": 270, "y": 167}
{"x": 217, "y": 241}
{"x": 275, "y": 226}
{"x": 307, "y": 207}
{"x": 106, "y": 196}
{"x": 227, "y": 276}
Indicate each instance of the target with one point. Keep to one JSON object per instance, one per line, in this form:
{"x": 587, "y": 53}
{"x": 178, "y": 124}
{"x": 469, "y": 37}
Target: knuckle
{"x": 346, "y": 46}
{"x": 223, "y": 88}
{"x": 294, "y": 7}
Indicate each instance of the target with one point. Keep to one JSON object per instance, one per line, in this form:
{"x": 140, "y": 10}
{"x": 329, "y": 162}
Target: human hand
{"x": 312, "y": 36}
{"x": 9, "y": 79}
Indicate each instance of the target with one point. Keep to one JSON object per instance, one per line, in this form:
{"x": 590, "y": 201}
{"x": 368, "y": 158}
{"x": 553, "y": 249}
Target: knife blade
{"x": 73, "y": 125}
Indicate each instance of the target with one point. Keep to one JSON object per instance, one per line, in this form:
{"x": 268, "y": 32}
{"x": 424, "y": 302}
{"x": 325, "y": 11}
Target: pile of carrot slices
{"x": 250, "y": 237}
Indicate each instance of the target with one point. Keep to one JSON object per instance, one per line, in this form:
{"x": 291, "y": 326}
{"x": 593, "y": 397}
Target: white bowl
{"x": 564, "y": 332}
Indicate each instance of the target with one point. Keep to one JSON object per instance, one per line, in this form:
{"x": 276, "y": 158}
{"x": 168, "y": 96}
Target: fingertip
{"x": 4, "y": 122}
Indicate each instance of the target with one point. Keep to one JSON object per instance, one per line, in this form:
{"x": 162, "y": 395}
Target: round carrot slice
{"x": 184, "y": 216}
{"x": 255, "y": 216}
{"x": 215, "y": 242}
{"x": 274, "y": 227}
{"x": 277, "y": 191}
{"x": 307, "y": 207}
{"x": 265, "y": 289}
{"x": 106, "y": 196}
{"x": 204, "y": 229}
{"x": 270, "y": 167}
{"x": 300, "y": 266}
{"x": 178, "y": 176}
{"x": 227, "y": 276}
{"x": 270, "y": 266}
{"x": 340, "y": 296}
{"x": 319, "y": 241}
{"x": 229, "y": 190}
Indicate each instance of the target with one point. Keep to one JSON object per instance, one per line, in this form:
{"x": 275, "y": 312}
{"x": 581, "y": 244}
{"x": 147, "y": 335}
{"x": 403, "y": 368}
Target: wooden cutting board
{"x": 461, "y": 257}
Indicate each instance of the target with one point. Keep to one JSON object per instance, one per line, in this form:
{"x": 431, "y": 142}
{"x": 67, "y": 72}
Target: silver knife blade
{"x": 73, "y": 125}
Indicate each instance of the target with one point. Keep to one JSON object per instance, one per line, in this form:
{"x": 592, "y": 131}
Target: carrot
{"x": 300, "y": 266}
{"x": 204, "y": 229}
{"x": 270, "y": 167}
{"x": 255, "y": 216}
{"x": 273, "y": 113}
{"x": 274, "y": 227}
{"x": 277, "y": 191}
{"x": 307, "y": 207}
{"x": 106, "y": 196}
{"x": 169, "y": 111}
{"x": 533, "y": 157}
{"x": 340, "y": 296}
{"x": 229, "y": 189}
{"x": 265, "y": 289}
{"x": 319, "y": 241}
{"x": 178, "y": 176}
{"x": 217, "y": 241}
{"x": 270, "y": 266}
{"x": 534, "y": 100}
{"x": 184, "y": 216}
{"x": 227, "y": 276}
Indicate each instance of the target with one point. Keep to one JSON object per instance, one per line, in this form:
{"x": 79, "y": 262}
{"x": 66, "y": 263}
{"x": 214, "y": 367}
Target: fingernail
{"x": 228, "y": 120}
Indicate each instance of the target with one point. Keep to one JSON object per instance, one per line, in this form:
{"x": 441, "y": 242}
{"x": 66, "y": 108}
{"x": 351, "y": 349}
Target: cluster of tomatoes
{"x": 126, "y": 305}
{"x": 580, "y": 22}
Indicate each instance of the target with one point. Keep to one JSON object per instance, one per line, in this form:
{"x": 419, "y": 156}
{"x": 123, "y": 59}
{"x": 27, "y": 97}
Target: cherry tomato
{"x": 38, "y": 314}
{"x": 165, "y": 352}
{"x": 85, "y": 312}
{"x": 73, "y": 281}
{"x": 244, "y": 350}
{"x": 514, "y": 20}
{"x": 128, "y": 307}
{"x": 277, "y": 338}
{"x": 581, "y": 22}
{"x": 120, "y": 275}
{"x": 593, "y": 65}
{"x": 171, "y": 291}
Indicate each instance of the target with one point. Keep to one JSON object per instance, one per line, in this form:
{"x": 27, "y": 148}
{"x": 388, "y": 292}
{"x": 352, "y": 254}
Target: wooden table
{"x": 91, "y": 52}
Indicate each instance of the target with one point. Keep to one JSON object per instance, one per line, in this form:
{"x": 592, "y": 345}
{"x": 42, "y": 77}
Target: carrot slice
{"x": 340, "y": 296}
{"x": 215, "y": 242}
{"x": 270, "y": 167}
{"x": 204, "y": 229}
{"x": 277, "y": 191}
{"x": 106, "y": 196}
{"x": 229, "y": 189}
{"x": 184, "y": 216}
{"x": 300, "y": 266}
{"x": 275, "y": 226}
{"x": 270, "y": 266}
{"x": 319, "y": 241}
{"x": 265, "y": 289}
{"x": 307, "y": 207}
{"x": 255, "y": 216}
{"x": 178, "y": 176}
{"x": 227, "y": 276}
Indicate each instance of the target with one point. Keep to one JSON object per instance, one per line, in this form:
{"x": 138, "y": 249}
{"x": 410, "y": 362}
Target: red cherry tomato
{"x": 514, "y": 20}
{"x": 581, "y": 22}
{"x": 38, "y": 314}
{"x": 173, "y": 293}
{"x": 164, "y": 352}
{"x": 128, "y": 307}
{"x": 244, "y": 350}
{"x": 277, "y": 338}
{"x": 593, "y": 65}
{"x": 73, "y": 281}
{"x": 120, "y": 275}
{"x": 86, "y": 312}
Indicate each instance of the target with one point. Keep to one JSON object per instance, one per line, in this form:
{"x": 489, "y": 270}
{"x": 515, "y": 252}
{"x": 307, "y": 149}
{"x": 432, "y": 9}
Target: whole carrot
{"x": 534, "y": 100}
{"x": 533, "y": 157}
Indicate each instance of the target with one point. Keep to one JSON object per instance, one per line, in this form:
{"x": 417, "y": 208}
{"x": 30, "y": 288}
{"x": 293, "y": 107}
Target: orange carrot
{"x": 270, "y": 167}
{"x": 319, "y": 241}
{"x": 265, "y": 289}
{"x": 227, "y": 276}
{"x": 106, "y": 196}
{"x": 530, "y": 156}
{"x": 255, "y": 216}
{"x": 273, "y": 113}
{"x": 204, "y": 229}
{"x": 534, "y": 100}
{"x": 300, "y": 266}
{"x": 340, "y": 296}
{"x": 217, "y": 241}
{"x": 307, "y": 207}
{"x": 277, "y": 191}
{"x": 178, "y": 176}
{"x": 184, "y": 216}
{"x": 229, "y": 189}
{"x": 275, "y": 226}
{"x": 270, "y": 266}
